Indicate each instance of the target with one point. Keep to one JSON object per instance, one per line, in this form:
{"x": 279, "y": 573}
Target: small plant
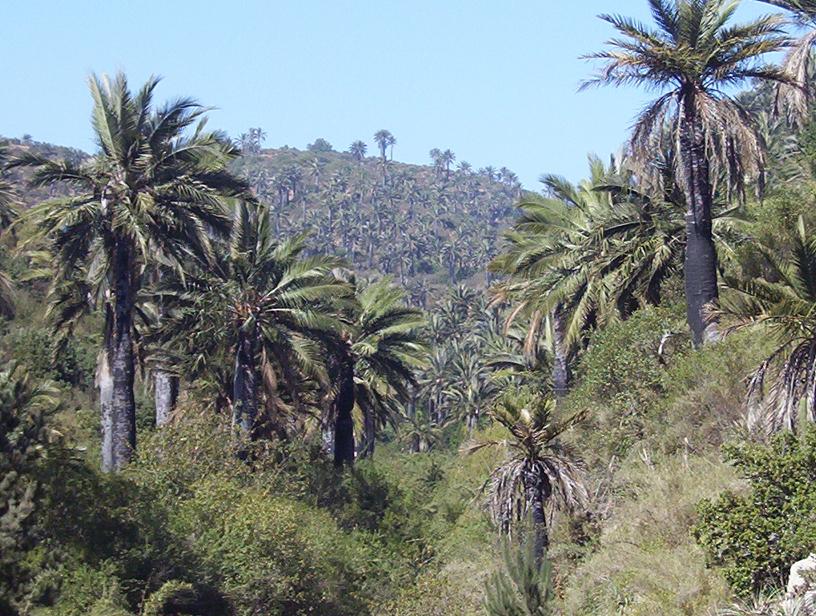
{"x": 523, "y": 587}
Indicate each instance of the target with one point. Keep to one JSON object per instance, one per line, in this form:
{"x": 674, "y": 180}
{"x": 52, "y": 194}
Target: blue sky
{"x": 495, "y": 81}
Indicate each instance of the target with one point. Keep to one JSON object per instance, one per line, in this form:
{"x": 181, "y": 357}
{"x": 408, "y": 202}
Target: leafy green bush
{"x": 755, "y": 536}
{"x": 622, "y": 377}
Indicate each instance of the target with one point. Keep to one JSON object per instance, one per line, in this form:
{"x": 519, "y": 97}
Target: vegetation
{"x": 366, "y": 387}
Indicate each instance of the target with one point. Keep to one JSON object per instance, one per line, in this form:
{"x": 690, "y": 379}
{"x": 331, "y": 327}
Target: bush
{"x": 756, "y": 536}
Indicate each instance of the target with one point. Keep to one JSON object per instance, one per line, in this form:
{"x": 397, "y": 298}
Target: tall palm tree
{"x": 383, "y": 139}
{"x": 152, "y": 195}
{"x": 782, "y": 304}
{"x": 269, "y": 305}
{"x": 539, "y": 469}
{"x": 377, "y": 366}
{"x": 695, "y": 58}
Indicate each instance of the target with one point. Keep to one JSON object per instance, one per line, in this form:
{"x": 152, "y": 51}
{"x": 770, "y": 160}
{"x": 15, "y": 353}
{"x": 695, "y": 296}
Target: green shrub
{"x": 755, "y": 536}
{"x": 621, "y": 378}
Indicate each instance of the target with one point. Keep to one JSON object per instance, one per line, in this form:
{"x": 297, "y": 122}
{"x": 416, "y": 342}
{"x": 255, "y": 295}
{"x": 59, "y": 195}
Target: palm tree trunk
{"x": 369, "y": 434}
{"x": 343, "y": 407}
{"x": 244, "y": 385}
{"x": 119, "y": 420}
{"x": 701, "y": 254}
{"x": 560, "y": 367}
{"x": 166, "y": 389}
{"x": 536, "y": 494}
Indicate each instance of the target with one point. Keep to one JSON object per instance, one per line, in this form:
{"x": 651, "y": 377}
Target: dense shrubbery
{"x": 756, "y": 534}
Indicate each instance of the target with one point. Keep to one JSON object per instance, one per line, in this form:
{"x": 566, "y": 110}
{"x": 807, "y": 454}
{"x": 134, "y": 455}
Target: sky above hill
{"x": 496, "y": 82}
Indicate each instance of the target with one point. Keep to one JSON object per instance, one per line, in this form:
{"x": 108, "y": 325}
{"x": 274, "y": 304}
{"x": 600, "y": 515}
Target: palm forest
{"x": 244, "y": 380}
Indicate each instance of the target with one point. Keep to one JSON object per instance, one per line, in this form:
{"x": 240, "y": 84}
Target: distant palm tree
{"x": 447, "y": 159}
{"x": 358, "y": 150}
{"x": 695, "y": 58}
{"x": 538, "y": 468}
{"x": 383, "y": 139}
{"x": 153, "y": 194}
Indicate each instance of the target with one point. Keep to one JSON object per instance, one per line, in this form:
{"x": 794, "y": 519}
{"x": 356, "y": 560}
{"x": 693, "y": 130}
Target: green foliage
{"x": 523, "y": 588}
{"x": 24, "y": 439}
{"x": 622, "y": 375}
{"x": 756, "y": 535}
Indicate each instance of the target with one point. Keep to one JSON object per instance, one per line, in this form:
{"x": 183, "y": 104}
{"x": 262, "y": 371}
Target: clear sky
{"x": 494, "y": 80}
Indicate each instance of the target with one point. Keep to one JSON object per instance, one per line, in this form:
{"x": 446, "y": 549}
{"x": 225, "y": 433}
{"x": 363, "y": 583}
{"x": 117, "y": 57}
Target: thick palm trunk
{"x": 701, "y": 254}
{"x": 166, "y": 389}
{"x": 536, "y": 494}
{"x": 560, "y": 367}
{"x": 244, "y": 384}
{"x": 118, "y": 373}
{"x": 343, "y": 407}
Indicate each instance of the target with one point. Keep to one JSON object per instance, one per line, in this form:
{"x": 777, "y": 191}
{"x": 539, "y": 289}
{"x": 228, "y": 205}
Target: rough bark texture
{"x": 104, "y": 381}
{"x": 701, "y": 254}
{"x": 536, "y": 495}
{"x": 244, "y": 385}
{"x": 560, "y": 367}
{"x": 121, "y": 420}
{"x": 166, "y": 389}
{"x": 343, "y": 407}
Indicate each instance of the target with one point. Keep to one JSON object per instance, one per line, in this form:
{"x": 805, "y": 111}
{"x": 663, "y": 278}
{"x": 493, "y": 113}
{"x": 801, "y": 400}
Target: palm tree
{"x": 358, "y": 150}
{"x": 270, "y": 306}
{"x": 796, "y": 96}
{"x": 539, "y": 469}
{"x": 377, "y": 366}
{"x": 152, "y": 195}
{"x": 782, "y": 304}
{"x": 587, "y": 254}
{"x": 447, "y": 158}
{"x": 383, "y": 139}
{"x": 694, "y": 58}
{"x": 8, "y": 214}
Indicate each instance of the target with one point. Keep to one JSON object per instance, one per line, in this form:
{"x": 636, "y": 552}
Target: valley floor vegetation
{"x": 247, "y": 381}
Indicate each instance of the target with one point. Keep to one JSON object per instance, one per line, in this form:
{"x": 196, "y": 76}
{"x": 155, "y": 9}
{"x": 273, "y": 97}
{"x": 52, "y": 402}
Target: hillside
{"x": 425, "y": 225}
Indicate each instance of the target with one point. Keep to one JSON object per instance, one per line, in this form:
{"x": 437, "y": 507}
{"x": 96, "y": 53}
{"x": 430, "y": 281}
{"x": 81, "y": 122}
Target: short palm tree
{"x": 266, "y": 304}
{"x": 783, "y": 304}
{"x": 585, "y": 254}
{"x": 153, "y": 195}
{"x": 694, "y": 58}
{"x": 358, "y": 150}
{"x": 538, "y": 471}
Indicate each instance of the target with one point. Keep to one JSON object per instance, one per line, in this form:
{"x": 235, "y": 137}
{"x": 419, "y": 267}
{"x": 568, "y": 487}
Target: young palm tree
{"x": 694, "y": 58}
{"x": 539, "y": 470}
{"x": 783, "y": 304}
{"x": 268, "y": 305}
{"x": 152, "y": 195}
{"x": 377, "y": 366}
